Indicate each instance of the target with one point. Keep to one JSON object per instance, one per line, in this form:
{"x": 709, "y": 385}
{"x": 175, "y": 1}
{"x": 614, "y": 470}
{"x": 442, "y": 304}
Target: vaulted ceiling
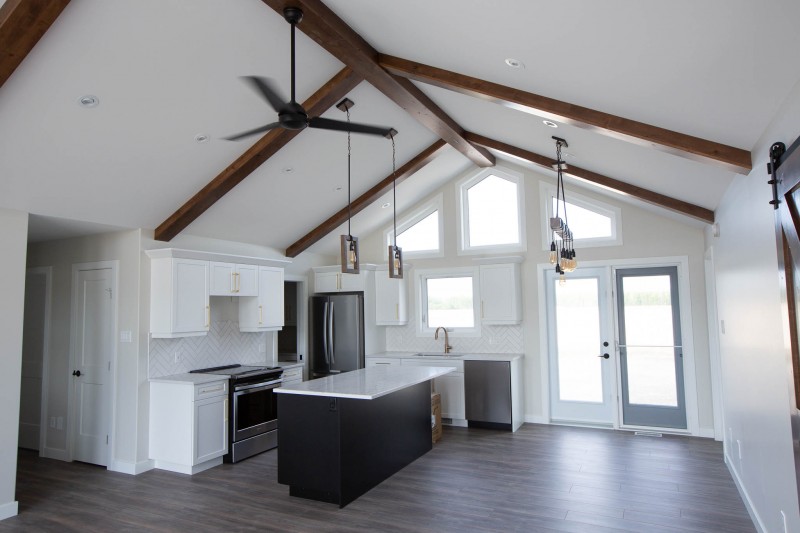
{"x": 662, "y": 101}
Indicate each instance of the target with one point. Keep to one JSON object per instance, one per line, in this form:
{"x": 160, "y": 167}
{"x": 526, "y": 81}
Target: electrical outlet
{"x": 178, "y": 356}
{"x": 53, "y": 422}
{"x": 60, "y": 423}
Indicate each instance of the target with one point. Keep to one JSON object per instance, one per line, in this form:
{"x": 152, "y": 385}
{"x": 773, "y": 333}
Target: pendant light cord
{"x": 349, "y": 210}
{"x": 394, "y": 193}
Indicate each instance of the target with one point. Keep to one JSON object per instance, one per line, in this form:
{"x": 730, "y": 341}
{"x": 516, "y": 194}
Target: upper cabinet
{"x": 265, "y": 312}
{"x": 501, "y": 294}
{"x": 232, "y": 279}
{"x": 327, "y": 279}
{"x": 179, "y": 303}
{"x": 391, "y": 299}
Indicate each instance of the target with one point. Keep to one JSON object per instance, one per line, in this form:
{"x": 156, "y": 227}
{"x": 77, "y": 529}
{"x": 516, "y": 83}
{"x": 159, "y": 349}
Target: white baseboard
{"x": 127, "y": 467}
{"x": 7, "y": 510}
{"x": 55, "y": 453}
{"x": 745, "y": 496}
{"x": 536, "y": 419}
{"x": 706, "y": 433}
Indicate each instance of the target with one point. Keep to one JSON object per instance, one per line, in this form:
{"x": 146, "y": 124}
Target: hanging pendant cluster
{"x": 395, "y": 252}
{"x": 562, "y": 253}
{"x": 351, "y": 261}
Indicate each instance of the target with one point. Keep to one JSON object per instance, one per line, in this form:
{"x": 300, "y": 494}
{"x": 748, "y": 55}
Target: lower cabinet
{"x": 188, "y": 425}
{"x": 292, "y": 375}
{"x": 450, "y": 386}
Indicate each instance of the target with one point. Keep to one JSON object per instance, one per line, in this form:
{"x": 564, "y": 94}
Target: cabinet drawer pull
{"x": 481, "y": 308}
{"x": 260, "y": 314}
{"x": 226, "y": 413}
{"x": 397, "y": 311}
{"x": 215, "y": 388}
{"x": 208, "y": 317}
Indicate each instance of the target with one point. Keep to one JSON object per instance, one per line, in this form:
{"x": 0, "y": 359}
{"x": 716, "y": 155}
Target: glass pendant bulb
{"x": 553, "y": 254}
{"x": 351, "y": 254}
{"x": 396, "y": 262}
{"x": 562, "y": 280}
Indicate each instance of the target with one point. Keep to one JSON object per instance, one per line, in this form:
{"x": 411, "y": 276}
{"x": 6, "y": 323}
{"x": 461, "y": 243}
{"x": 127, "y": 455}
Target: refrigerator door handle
{"x": 330, "y": 332}
{"x": 325, "y": 334}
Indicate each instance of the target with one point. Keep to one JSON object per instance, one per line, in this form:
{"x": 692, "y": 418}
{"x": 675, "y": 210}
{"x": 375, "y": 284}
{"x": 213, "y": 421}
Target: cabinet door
{"x": 326, "y": 282}
{"x": 451, "y": 387}
{"x": 210, "y": 429}
{"x": 500, "y": 298}
{"x": 390, "y": 300}
{"x": 222, "y": 278}
{"x": 191, "y": 312}
{"x": 351, "y": 282}
{"x": 246, "y": 282}
{"x": 270, "y": 297}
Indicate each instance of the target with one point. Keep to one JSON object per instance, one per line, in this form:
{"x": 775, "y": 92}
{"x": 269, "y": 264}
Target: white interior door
{"x": 94, "y": 311}
{"x": 34, "y": 338}
{"x": 581, "y": 347}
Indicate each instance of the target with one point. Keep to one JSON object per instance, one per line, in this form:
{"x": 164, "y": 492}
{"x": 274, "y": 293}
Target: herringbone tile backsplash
{"x": 223, "y": 345}
{"x": 493, "y": 339}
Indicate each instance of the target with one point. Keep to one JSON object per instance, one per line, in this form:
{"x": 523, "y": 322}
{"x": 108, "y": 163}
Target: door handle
{"x": 604, "y": 356}
{"x": 333, "y": 344}
{"x": 76, "y": 373}
{"x": 325, "y": 334}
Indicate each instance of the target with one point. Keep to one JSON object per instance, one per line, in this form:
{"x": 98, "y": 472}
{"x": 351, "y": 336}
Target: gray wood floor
{"x": 542, "y": 478}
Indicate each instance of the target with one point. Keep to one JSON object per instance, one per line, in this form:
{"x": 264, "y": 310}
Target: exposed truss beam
{"x": 646, "y": 195}
{"x": 360, "y": 203}
{"x": 335, "y": 36}
{"x": 687, "y": 146}
{"x": 326, "y": 97}
{"x": 22, "y": 24}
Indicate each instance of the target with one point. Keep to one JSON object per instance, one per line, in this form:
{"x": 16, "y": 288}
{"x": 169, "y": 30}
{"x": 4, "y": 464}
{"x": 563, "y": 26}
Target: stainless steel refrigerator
{"x": 337, "y": 334}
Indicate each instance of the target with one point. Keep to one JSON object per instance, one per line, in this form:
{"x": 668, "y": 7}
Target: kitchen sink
{"x": 440, "y": 354}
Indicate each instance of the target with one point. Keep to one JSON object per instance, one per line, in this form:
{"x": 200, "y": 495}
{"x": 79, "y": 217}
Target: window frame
{"x": 421, "y": 277}
{"x": 417, "y": 215}
{"x": 548, "y": 193}
{"x": 462, "y": 204}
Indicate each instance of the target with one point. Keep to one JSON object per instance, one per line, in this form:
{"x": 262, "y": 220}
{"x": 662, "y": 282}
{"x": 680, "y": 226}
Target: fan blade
{"x": 340, "y": 125}
{"x": 265, "y": 88}
{"x": 248, "y": 133}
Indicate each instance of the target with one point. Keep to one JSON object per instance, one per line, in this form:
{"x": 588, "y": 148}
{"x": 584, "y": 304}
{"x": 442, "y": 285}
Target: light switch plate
{"x": 125, "y": 336}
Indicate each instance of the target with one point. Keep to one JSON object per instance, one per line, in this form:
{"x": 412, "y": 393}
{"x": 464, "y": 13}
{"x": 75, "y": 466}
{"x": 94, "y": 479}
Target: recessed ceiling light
{"x": 89, "y": 100}
{"x": 550, "y": 123}
{"x": 387, "y": 204}
{"x": 201, "y": 138}
{"x": 287, "y": 170}
{"x": 514, "y": 63}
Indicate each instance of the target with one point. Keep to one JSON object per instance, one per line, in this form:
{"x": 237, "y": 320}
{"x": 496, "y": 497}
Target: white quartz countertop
{"x": 455, "y": 356}
{"x": 189, "y": 379}
{"x": 366, "y": 383}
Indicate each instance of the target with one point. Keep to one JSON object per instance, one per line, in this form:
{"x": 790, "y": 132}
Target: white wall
{"x": 645, "y": 235}
{"x": 13, "y": 239}
{"x": 61, "y": 255}
{"x": 756, "y": 377}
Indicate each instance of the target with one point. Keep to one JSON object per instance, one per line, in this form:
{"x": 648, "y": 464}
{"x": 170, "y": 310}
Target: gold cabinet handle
{"x": 226, "y": 412}
{"x": 260, "y": 314}
{"x": 481, "y": 308}
{"x": 208, "y": 317}
{"x": 238, "y": 282}
{"x": 397, "y": 311}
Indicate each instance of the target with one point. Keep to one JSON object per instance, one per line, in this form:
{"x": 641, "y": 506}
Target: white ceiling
{"x": 167, "y": 71}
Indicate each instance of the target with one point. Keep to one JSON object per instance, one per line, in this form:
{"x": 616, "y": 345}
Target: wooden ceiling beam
{"x": 22, "y": 24}
{"x": 695, "y": 148}
{"x": 646, "y": 195}
{"x": 325, "y": 27}
{"x": 361, "y": 203}
{"x": 326, "y": 97}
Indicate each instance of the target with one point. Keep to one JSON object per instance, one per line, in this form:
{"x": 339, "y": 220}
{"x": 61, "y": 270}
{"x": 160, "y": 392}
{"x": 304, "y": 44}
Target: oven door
{"x": 255, "y": 409}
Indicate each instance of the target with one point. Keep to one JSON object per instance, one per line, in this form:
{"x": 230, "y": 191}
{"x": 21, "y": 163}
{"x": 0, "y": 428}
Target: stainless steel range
{"x": 253, "y": 416}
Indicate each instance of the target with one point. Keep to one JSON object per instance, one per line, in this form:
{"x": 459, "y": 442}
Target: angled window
{"x": 419, "y": 234}
{"x": 593, "y": 223}
{"x": 491, "y": 212}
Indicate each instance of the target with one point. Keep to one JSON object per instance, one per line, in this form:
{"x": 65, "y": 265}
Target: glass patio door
{"x": 650, "y": 350}
{"x": 580, "y": 339}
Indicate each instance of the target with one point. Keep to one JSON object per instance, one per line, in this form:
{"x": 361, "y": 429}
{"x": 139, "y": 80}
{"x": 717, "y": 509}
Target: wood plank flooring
{"x": 542, "y": 478}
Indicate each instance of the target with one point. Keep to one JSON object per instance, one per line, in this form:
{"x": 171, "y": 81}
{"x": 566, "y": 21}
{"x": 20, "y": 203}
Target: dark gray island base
{"x": 334, "y": 449}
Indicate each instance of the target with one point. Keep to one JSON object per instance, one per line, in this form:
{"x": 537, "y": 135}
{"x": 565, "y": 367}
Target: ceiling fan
{"x": 291, "y": 115}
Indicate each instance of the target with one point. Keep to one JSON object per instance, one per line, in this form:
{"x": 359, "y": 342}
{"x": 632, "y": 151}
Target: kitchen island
{"x": 341, "y": 435}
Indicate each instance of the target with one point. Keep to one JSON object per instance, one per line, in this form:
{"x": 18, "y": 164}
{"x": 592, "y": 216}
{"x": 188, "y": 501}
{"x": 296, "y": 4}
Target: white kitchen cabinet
{"x": 382, "y": 361}
{"x": 327, "y": 279}
{"x": 501, "y": 298}
{"x": 292, "y": 375}
{"x": 188, "y": 425}
{"x": 179, "y": 298}
{"x": 391, "y": 300}
{"x": 232, "y": 279}
{"x": 265, "y": 311}
{"x": 450, "y": 386}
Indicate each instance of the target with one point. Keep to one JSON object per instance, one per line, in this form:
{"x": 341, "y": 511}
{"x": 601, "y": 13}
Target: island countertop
{"x": 366, "y": 383}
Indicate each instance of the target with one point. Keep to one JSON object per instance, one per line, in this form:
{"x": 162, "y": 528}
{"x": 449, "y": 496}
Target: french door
{"x": 581, "y": 347}
{"x": 650, "y": 348}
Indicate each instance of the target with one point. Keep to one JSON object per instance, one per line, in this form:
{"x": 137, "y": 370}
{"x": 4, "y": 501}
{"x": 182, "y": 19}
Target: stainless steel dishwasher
{"x": 487, "y": 387}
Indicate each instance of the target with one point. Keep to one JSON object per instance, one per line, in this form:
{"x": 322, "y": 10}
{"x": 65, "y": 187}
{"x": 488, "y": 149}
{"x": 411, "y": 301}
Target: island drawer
{"x": 381, "y": 361}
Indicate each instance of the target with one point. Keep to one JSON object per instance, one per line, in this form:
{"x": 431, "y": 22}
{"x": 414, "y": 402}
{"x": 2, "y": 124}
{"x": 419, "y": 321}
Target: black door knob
{"x": 76, "y": 373}
{"x": 604, "y": 356}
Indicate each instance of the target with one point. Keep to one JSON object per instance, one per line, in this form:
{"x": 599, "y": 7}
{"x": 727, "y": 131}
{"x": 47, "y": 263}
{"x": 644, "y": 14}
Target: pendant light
{"x": 563, "y": 254}
{"x": 395, "y": 252}
{"x": 349, "y": 244}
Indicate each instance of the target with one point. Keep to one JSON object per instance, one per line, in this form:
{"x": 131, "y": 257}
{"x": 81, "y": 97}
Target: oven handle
{"x": 257, "y": 387}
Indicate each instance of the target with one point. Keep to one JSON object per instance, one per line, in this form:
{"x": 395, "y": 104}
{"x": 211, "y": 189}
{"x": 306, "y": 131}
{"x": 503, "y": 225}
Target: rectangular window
{"x": 450, "y": 298}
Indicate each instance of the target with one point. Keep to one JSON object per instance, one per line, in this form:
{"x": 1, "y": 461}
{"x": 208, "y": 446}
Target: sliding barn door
{"x": 785, "y": 170}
